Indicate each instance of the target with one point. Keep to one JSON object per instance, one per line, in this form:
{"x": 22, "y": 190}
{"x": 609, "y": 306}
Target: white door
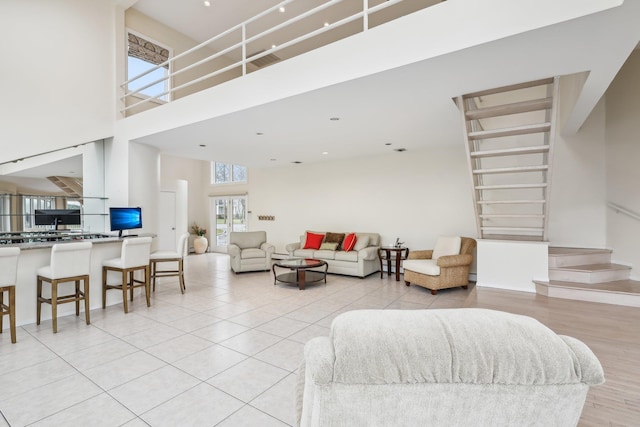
{"x": 167, "y": 239}
{"x": 228, "y": 213}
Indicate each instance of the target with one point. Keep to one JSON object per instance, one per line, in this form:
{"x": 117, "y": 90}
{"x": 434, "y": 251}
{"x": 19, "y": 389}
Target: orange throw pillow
{"x": 313, "y": 241}
{"x": 349, "y": 242}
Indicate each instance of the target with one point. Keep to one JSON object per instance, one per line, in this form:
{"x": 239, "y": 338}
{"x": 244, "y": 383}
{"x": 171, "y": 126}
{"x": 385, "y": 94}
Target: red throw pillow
{"x": 313, "y": 241}
{"x": 349, "y": 242}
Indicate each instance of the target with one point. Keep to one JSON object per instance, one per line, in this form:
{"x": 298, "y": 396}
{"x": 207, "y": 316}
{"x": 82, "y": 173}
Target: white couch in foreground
{"x": 361, "y": 261}
{"x": 450, "y": 367}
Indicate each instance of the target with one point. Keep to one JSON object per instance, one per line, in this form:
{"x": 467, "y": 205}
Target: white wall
{"x": 415, "y": 196}
{"x": 622, "y": 157}
{"x": 57, "y": 74}
{"x": 144, "y": 184}
{"x": 578, "y": 181}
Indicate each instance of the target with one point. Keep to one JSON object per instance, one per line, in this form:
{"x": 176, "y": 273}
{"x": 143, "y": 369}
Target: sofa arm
{"x": 319, "y": 360}
{"x": 233, "y": 250}
{"x": 268, "y": 248}
{"x": 423, "y": 254}
{"x": 369, "y": 253}
{"x": 454, "y": 260}
{"x": 292, "y": 247}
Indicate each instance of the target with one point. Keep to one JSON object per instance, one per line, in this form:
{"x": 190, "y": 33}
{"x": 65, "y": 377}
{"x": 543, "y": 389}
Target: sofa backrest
{"x": 374, "y": 238}
{"x": 248, "y": 239}
{"x": 471, "y": 346}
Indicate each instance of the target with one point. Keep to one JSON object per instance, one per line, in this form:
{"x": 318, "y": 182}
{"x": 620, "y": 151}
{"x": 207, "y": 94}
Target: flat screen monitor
{"x": 57, "y": 217}
{"x": 125, "y": 219}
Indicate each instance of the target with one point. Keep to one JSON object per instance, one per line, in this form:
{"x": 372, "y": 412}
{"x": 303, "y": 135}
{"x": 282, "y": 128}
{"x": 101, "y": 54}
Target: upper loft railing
{"x": 260, "y": 41}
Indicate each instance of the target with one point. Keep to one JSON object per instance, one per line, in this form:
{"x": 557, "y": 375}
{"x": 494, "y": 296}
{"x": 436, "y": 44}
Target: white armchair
{"x": 249, "y": 251}
{"x": 448, "y": 367}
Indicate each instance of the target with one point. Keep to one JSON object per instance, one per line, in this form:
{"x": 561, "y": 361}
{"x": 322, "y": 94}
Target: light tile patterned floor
{"x": 226, "y": 352}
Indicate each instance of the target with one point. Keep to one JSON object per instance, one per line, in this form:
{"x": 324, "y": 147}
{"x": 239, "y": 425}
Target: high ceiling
{"x": 407, "y": 107}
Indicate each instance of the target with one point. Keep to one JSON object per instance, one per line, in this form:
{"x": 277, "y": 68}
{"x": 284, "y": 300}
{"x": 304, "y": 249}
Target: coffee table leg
{"x": 301, "y": 279}
{"x": 398, "y": 260}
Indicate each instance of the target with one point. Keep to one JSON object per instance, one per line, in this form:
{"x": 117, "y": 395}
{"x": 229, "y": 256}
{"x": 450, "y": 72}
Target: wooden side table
{"x": 385, "y": 253}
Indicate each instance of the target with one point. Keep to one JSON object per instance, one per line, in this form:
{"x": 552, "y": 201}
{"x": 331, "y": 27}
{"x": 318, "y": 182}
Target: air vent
{"x": 263, "y": 61}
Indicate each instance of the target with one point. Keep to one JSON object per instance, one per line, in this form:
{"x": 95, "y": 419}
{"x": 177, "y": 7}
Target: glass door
{"x": 228, "y": 213}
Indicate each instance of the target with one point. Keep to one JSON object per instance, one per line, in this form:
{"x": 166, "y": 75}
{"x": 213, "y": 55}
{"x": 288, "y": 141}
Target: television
{"x": 57, "y": 217}
{"x": 125, "y": 219}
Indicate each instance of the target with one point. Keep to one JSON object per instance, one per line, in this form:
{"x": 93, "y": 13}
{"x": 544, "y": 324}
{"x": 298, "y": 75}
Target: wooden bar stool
{"x": 170, "y": 256}
{"x": 70, "y": 262}
{"x": 133, "y": 257}
{"x": 8, "y": 277}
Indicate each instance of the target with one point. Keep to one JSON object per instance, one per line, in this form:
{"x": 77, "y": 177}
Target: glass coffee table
{"x": 299, "y": 274}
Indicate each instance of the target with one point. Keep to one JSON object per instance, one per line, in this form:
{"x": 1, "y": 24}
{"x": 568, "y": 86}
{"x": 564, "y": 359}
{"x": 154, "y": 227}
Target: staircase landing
{"x": 588, "y": 275}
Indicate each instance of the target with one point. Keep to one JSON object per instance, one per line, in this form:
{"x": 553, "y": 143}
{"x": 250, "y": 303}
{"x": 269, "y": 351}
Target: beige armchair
{"x": 249, "y": 251}
{"x": 446, "y": 266}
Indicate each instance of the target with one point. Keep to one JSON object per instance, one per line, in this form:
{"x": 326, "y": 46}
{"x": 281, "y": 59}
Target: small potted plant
{"x": 200, "y": 243}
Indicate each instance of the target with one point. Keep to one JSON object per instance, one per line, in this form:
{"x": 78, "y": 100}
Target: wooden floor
{"x": 613, "y": 334}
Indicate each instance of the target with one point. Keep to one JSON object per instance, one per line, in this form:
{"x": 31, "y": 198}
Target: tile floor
{"x": 223, "y": 354}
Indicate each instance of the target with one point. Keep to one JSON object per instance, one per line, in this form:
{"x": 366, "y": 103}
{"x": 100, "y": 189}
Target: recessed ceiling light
{"x": 297, "y": 162}
{"x": 326, "y": 24}
{"x": 273, "y": 46}
{"x": 334, "y": 119}
{"x": 207, "y": 3}
{"x": 202, "y": 145}
{"x": 387, "y": 143}
{"x": 259, "y": 133}
{"x": 399, "y": 150}
{"x": 325, "y": 153}
{"x": 281, "y": 9}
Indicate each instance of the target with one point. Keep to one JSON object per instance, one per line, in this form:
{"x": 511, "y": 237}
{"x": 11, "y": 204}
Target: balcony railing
{"x": 262, "y": 40}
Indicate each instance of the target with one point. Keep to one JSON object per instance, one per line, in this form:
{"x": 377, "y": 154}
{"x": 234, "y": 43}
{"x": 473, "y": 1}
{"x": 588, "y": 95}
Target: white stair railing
{"x": 619, "y": 209}
{"x": 131, "y": 99}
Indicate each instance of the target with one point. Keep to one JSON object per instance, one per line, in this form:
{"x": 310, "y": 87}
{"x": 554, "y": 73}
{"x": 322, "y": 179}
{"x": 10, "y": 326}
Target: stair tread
{"x": 618, "y": 286}
{"x": 560, "y": 251}
{"x": 593, "y": 267}
{"x": 511, "y": 151}
{"x": 509, "y": 186}
{"x": 514, "y": 169}
{"x": 502, "y": 89}
{"x": 505, "y": 202}
{"x": 510, "y": 131}
{"x": 508, "y": 109}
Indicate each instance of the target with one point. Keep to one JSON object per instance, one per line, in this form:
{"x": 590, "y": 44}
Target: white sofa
{"x": 448, "y": 367}
{"x": 360, "y": 263}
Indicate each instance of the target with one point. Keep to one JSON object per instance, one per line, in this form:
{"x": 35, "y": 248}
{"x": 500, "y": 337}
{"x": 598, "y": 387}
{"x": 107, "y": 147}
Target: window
{"x": 143, "y": 55}
{"x": 5, "y": 212}
{"x": 29, "y": 206}
{"x": 224, "y": 173}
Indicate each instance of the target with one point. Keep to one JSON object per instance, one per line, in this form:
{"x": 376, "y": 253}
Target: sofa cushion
{"x": 361, "y": 243}
{"x": 322, "y": 254}
{"x": 304, "y": 253}
{"x": 252, "y": 253}
{"x": 334, "y": 238}
{"x": 327, "y": 246}
{"x": 346, "y": 256}
{"x": 313, "y": 241}
{"x": 422, "y": 266}
{"x": 349, "y": 242}
{"x": 446, "y": 246}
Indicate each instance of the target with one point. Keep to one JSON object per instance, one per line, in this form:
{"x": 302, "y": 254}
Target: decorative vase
{"x": 200, "y": 244}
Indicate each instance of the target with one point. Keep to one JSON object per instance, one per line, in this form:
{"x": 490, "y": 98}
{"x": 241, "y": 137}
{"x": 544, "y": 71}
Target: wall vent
{"x": 263, "y": 61}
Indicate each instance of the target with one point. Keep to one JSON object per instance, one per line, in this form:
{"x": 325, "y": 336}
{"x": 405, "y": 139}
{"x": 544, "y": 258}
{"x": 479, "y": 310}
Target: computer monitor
{"x": 125, "y": 219}
{"x": 57, "y": 217}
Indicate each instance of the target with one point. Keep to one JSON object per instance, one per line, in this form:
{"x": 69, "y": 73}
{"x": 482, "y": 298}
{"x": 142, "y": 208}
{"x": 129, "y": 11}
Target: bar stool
{"x": 70, "y": 262}
{"x": 170, "y": 256}
{"x": 8, "y": 277}
{"x": 133, "y": 257}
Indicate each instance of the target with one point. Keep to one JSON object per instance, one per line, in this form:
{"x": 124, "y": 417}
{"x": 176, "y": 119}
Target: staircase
{"x": 70, "y": 185}
{"x": 509, "y": 138}
{"x": 589, "y": 275}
